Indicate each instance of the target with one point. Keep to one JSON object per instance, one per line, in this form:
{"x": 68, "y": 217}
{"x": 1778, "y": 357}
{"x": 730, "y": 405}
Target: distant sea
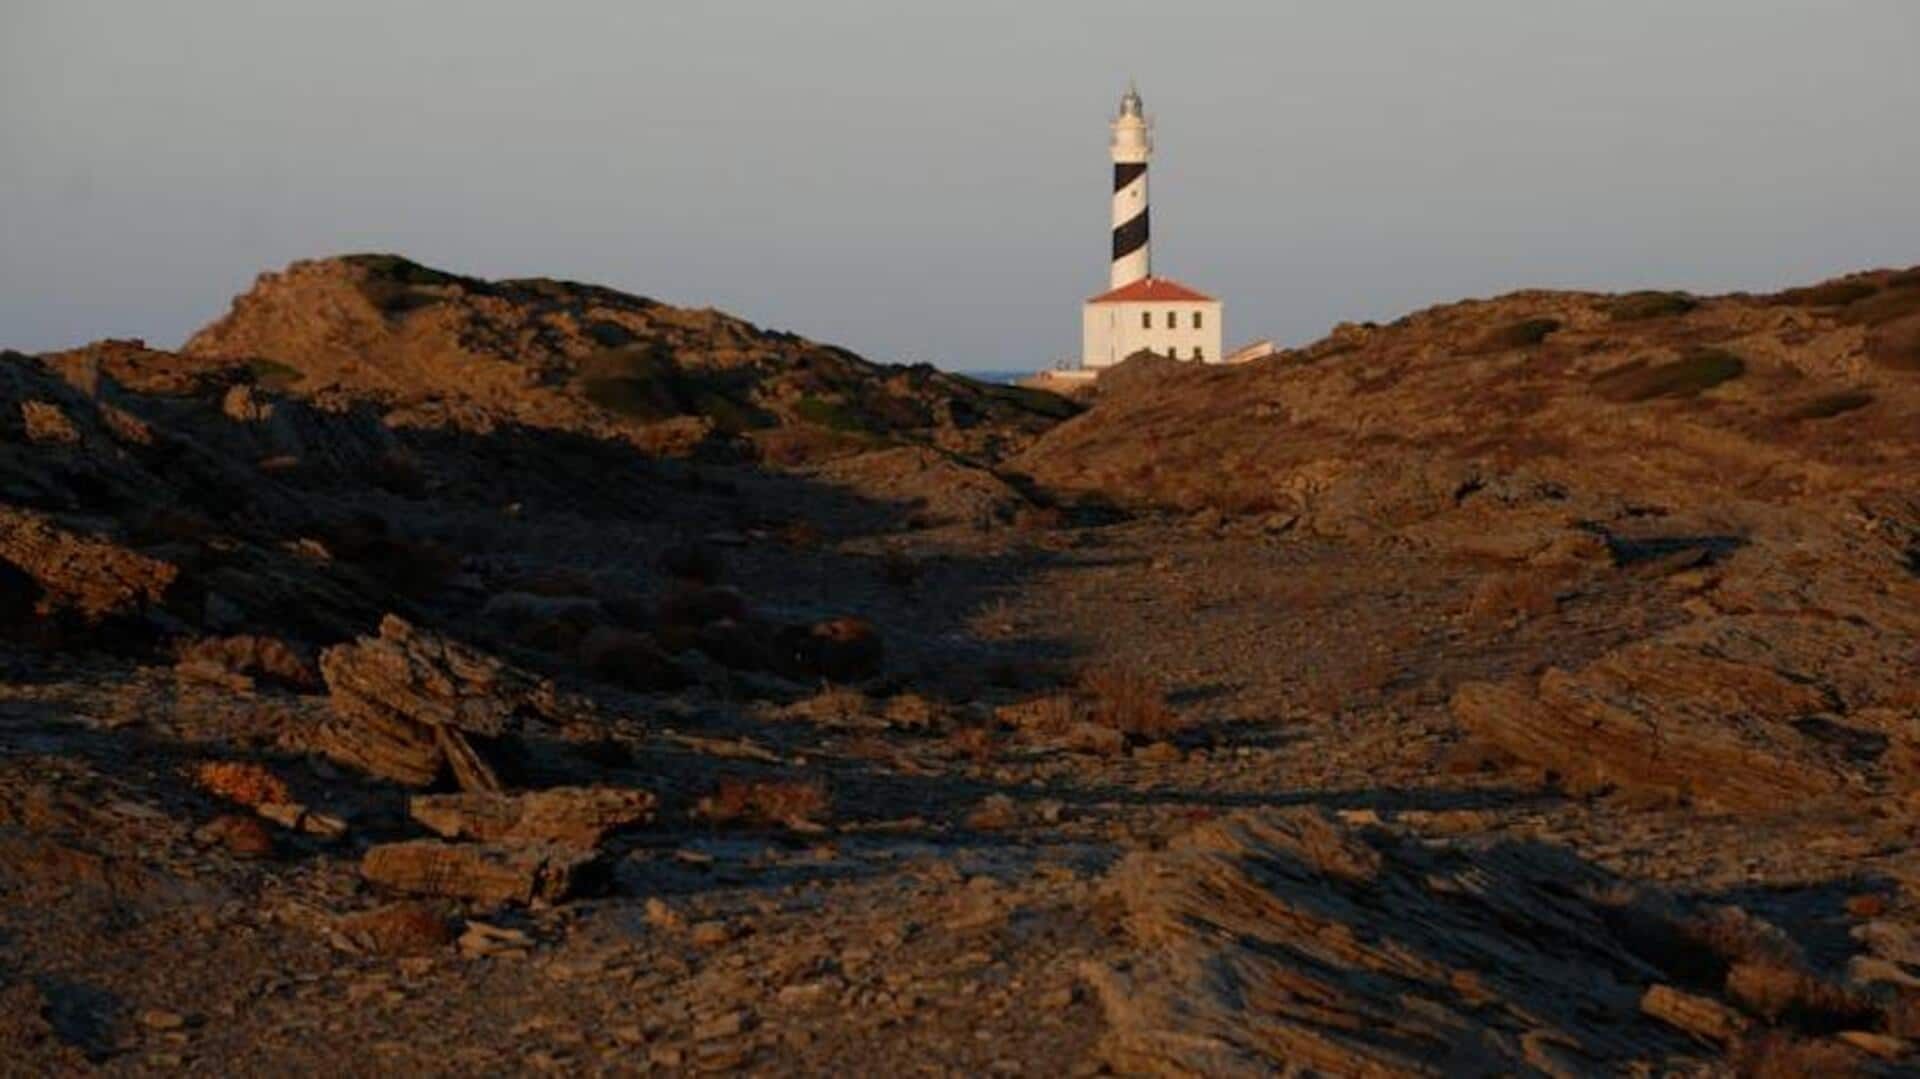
{"x": 1004, "y": 377}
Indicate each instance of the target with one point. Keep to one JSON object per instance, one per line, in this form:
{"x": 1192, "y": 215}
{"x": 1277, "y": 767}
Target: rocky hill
{"x": 1759, "y": 453}
{"x": 439, "y": 347}
{"x": 429, "y": 675}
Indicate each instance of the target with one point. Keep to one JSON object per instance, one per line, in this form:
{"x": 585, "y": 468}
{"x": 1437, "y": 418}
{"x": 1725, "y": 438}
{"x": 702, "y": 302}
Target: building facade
{"x": 1153, "y": 315}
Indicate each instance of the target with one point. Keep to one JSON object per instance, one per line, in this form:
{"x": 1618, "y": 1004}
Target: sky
{"x": 930, "y": 182}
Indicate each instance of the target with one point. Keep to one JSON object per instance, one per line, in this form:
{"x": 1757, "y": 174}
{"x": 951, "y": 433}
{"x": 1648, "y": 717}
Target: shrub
{"x": 833, "y": 415}
{"x": 889, "y": 411}
{"x": 610, "y": 334}
{"x": 1515, "y": 595}
{"x": 1830, "y": 405}
{"x": 1905, "y": 279}
{"x": 729, "y": 415}
{"x": 395, "y": 285}
{"x": 641, "y": 382}
{"x": 900, "y": 569}
{"x": 1640, "y": 306}
{"x": 766, "y": 801}
{"x": 242, "y": 782}
{"x": 1042, "y": 402}
{"x": 1699, "y": 370}
{"x": 1782, "y": 1056}
{"x": 633, "y": 398}
{"x": 399, "y": 929}
{"x": 1896, "y": 348}
{"x": 1827, "y": 294}
{"x": 974, "y": 743}
{"x": 1036, "y": 518}
{"x": 1781, "y": 992}
{"x": 1523, "y": 334}
{"x": 273, "y": 374}
{"x": 1128, "y": 701}
{"x": 796, "y": 446}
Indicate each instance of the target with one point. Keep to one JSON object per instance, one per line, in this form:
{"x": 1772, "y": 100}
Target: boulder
{"x": 569, "y": 816}
{"x": 409, "y": 703}
{"x": 483, "y": 872}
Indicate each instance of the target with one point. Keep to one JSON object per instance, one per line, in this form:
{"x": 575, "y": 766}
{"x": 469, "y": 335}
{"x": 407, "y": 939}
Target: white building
{"x": 1153, "y": 315}
{"x": 1141, "y": 312}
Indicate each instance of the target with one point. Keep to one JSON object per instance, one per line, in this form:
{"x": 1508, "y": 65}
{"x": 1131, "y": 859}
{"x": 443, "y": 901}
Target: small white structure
{"x": 1141, "y": 312}
{"x": 1153, "y": 315}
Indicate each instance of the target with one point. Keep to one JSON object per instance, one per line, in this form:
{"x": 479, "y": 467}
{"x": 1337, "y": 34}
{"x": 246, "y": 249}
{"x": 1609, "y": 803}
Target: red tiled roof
{"x": 1152, "y": 290}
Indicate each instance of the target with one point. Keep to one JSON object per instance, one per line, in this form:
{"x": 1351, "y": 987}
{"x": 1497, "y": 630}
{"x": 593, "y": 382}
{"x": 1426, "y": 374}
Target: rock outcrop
{"x": 1288, "y": 942}
{"x": 408, "y": 704}
{"x": 442, "y": 349}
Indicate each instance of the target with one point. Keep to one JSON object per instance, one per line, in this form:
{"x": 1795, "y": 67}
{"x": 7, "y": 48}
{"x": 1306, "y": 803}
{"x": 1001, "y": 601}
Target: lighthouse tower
{"x": 1132, "y": 146}
{"x": 1140, "y": 312}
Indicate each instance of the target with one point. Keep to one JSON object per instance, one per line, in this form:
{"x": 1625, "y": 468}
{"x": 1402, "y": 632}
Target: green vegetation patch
{"x": 729, "y": 414}
{"x": 892, "y": 412}
{"x": 1883, "y": 307}
{"x": 645, "y": 382}
{"x": 404, "y": 271}
{"x": 640, "y": 382}
{"x": 1692, "y": 374}
{"x": 272, "y": 373}
{"x": 1523, "y": 334}
{"x": 1640, "y": 306}
{"x": 1830, "y": 294}
{"x": 1042, "y": 402}
{"x": 1896, "y": 347}
{"x": 1831, "y": 405}
{"x": 396, "y": 285}
{"x": 831, "y": 414}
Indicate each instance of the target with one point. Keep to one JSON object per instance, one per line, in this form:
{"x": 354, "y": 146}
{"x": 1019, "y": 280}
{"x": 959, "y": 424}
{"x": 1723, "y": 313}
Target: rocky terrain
{"x": 421, "y": 674}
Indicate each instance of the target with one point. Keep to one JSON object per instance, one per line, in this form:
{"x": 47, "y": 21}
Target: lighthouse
{"x": 1140, "y": 312}
{"x": 1132, "y": 147}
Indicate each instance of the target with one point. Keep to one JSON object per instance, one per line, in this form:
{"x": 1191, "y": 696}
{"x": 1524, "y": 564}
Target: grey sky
{"x": 922, "y": 181}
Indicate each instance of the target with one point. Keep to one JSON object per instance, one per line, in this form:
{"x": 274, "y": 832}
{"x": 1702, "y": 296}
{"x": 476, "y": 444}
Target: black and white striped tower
{"x": 1132, "y": 145}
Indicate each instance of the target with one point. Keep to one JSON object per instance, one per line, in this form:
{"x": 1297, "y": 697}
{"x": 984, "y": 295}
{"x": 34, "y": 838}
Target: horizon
{"x": 933, "y": 187}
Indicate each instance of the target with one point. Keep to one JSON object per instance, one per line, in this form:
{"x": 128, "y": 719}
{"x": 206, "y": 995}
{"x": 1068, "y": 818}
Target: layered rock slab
{"x": 1287, "y": 942}
{"x": 409, "y": 704}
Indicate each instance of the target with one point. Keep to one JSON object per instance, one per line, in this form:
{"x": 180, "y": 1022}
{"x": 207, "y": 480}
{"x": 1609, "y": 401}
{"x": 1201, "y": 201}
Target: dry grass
{"x": 1896, "y": 346}
{"x": 1055, "y": 713}
{"x": 1128, "y": 701}
{"x": 1782, "y": 992}
{"x": 1729, "y": 935}
{"x": 399, "y": 929}
{"x": 1034, "y": 518}
{"x": 767, "y": 801}
{"x": 242, "y": 782}
{"x": 1903, "y": 1014}
{"x": 974, "y": 743}
{"x": 1782, "y": 1056}
{"x": 1512, "y": 596}
{"x": 1474, "y": 756}
{"x": 1866, "y": 905}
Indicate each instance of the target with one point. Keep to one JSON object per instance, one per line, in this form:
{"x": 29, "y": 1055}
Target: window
{"x": 1196, "y": 320}
{"x": 1198, "y": 352}
{"x": 1172, "y": 320}
{"x": 1146, "y": 320}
